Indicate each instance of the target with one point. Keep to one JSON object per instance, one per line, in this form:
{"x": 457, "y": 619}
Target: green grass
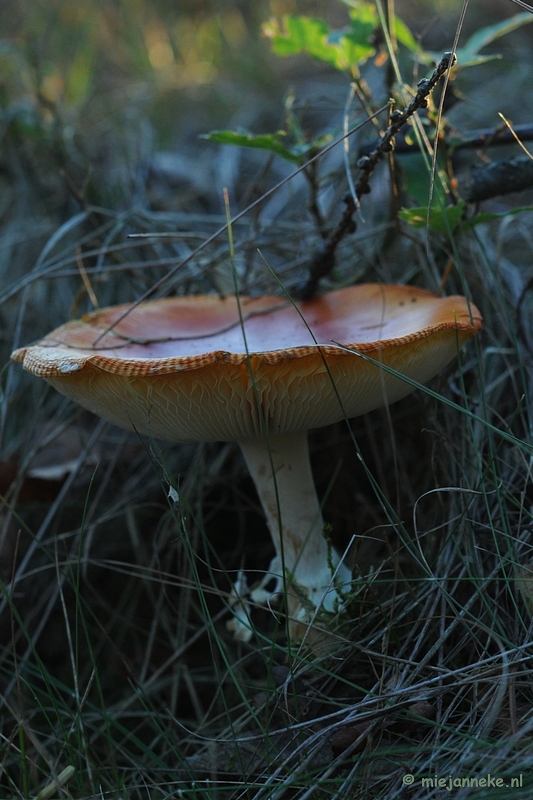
{"x": 115, "y": 661}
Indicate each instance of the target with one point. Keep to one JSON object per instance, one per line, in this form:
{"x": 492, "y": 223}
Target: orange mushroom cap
{"x": 182, "y": 369}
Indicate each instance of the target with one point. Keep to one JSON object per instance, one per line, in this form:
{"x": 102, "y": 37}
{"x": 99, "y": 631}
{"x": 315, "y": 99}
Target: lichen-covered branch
{"x": 324, "y": 259}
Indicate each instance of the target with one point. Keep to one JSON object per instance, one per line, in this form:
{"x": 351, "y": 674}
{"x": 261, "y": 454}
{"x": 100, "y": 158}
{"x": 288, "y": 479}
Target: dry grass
{"x": 114, "y": 656}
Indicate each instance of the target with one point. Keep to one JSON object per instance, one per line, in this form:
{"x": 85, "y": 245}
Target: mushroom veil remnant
{"x": 261, "y": 372}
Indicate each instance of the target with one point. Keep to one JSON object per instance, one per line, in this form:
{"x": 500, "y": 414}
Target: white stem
{"x": 281, "y": 471}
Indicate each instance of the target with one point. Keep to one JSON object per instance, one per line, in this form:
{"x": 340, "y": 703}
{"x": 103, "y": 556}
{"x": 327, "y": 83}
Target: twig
{"x": 499, "y": 177}
{"x": 489, "y": 137}
{"x": 324, "y": 260}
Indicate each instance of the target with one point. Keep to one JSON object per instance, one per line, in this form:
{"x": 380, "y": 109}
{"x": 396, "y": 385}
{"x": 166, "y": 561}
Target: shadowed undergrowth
{"x": 115, "y": 659}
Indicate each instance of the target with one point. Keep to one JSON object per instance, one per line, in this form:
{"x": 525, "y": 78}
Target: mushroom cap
{"x": 187, "y": 369}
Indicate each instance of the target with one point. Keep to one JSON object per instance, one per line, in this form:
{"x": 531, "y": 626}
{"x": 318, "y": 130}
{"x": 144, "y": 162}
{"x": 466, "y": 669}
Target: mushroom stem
{"x": 281, "y": 471}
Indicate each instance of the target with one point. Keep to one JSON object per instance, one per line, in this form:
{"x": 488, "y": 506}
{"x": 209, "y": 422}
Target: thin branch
{"x": 488, "y": 137}
{"x": 324, "y": 260}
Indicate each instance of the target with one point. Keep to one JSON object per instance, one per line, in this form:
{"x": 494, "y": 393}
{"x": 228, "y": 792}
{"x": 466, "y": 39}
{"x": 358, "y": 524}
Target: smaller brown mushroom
{"x": 261, "y": 372}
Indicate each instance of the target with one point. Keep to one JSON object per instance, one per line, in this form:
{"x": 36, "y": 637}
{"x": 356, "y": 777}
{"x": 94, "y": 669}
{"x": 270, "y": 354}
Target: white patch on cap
{"x": 68, "y": 366}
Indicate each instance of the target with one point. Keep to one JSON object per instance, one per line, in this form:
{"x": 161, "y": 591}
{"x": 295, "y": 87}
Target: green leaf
{"x": 440, "y": 219}
{"x": 417, "y": 183}
{"x": 444, "y": 219}
{"x": 264, "y": 141}
{"x": 296, "y": 153}
{"x": 488, "y": 216}
{"x": 364, "y": 20}
{"x": 345, "y": 49}
{"x": 351, "y": 52}
{"x": 405, "y": 37}
{"x": 298, "y": 35}
{"x": 468, "y": 55}
{"x": 484, "y": 36}
{"x": 475, "y": 61}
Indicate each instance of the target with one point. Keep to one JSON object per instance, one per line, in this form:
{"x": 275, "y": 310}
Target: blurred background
{"x": 102, "y": 109}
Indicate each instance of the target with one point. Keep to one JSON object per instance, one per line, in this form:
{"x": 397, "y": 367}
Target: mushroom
{"x": 261, "y": 372}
